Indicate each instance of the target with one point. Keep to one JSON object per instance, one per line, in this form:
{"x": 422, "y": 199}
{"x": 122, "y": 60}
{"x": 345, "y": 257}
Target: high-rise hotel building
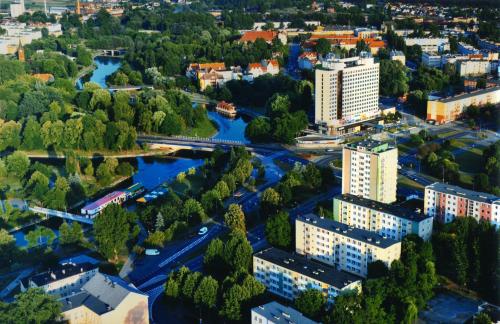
{"x": 346, "y": 92}
{"x": 347, "y": 248}
{"x": 369, "y": 170}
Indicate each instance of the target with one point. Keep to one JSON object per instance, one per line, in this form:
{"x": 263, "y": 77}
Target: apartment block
{"x": 429, "y": 44}
{"x": 347, "y": 248}
{"x": 473, "y": 67}
{"x": 286, "y": 274}
{"x": 384, "y": 219}
{"x": 449, "y": 109}
{"x": 446, "y": 202}
{"x": 346, "y": 92}
{"x": 62, "y": 280}
{"x": 275, "y": 313}
{"x": 369, "y": 170}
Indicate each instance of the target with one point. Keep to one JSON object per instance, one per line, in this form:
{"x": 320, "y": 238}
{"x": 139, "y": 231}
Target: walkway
{"x": 127, "y": 267}
{"x": 61, "y": 214}
{"x": 15, "y": 283}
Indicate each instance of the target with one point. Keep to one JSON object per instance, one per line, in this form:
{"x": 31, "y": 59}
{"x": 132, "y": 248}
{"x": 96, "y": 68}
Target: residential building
{"x": 345, "y": 247}
{"x": 488, "y": 45}
{"x": 63, "y": 280}
{"x": 17, "y": 9}
{"x": 449, "y": 109}
{"x": 271, "y": 67}
{"x": 466, "y": 49}
{"x": 94, "y": 208}
{"x": 213, "y": 74}
{"x": 429, "y": 44}
{"x": 384, "y": 219}
{"x": 346, "y": 92}
{"x": 106, "y": 299}
{"x": 286, "y": 274}
{"x": 446, "y": 202}
{"x": 369, "y": 170}
{"x": 275, "y": 313}
{"x": 195, "y": 70}
{"x": 398, "y": 56}
{"x": 431, "y": 59}
{"x": 307, "y": 60}
{"x": 473, "y": 67}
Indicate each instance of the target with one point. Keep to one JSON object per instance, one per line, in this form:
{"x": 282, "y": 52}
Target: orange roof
{"x": 45, "y": 77}
{"x": 273, "y": 62}
{"x": 208, "y": 66}
{"x": 252, "y": 36}
{"x": 309, "y": 55}
{"x": 315, "y": 37}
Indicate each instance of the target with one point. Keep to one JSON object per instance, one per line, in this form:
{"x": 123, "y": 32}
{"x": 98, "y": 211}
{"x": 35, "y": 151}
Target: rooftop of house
{"x": 459, "y": 191}
{"x": 402, "y": 212}
{"x": 309, "y": 268}
{"x": 342, "y": 229}
{"x": 60, "y": 272}
{"x": 252, "y": 36}
{"x": 370, "y": 145}
{"x": 280, "y": 314}
{"x": 469, "y": 94}
{"x": 104, "y": 200}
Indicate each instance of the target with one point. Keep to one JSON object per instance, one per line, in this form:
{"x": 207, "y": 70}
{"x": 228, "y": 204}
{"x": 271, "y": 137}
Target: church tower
{"x": 77, "y": 11}
{"x": 20, "y": 52}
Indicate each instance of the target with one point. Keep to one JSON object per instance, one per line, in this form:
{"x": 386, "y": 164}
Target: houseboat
{"x": 226, "y": 109}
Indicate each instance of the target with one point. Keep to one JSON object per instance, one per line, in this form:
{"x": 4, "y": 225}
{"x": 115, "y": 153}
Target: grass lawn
{"x": 446, "y": 134}
{"x": 406, "y": 182}
{"x": 466, "y": 178}
{"x": 470, "y": 161}
{"x": 205, "y": 129}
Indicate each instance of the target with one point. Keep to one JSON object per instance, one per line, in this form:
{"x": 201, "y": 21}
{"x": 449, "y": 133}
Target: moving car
{"x": 203, "y": 230}
{"x": 152, "y": 252}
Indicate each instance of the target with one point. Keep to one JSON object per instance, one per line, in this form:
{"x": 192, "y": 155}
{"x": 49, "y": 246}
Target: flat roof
{"x": 280, "y": 314}
{"x": 358, "y": 234}
{"x": 103, "y": 201}
{"x": 469, "y": 95}
{"x": 370, "y": 145}
{"x": 466, "y": 193}
{"x": 309, "y": 268}
{"x": 397, "y": 211}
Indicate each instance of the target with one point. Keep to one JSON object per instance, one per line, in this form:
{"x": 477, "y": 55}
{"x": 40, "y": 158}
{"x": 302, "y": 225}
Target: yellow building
{"x": 286, "y": 274}
{"x": 369, "y": 170}
{"x": 449, "y": 109}
{"x": 347, "y": 248}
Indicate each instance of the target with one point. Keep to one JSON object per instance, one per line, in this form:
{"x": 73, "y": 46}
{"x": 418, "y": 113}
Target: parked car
{"x": 203, "y": 230}
{"x": 152, "y": 252}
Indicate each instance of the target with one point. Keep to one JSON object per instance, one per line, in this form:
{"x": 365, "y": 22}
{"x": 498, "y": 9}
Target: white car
{"x": 203, "y": 230}
{"x": 152, "y": 252}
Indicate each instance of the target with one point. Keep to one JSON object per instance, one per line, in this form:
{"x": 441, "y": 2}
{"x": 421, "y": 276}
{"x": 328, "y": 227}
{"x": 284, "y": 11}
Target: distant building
{"x": 346, "y": 92}
{"x": 446, "y": 202}
{"x": 473, "y": 67}
{"x": 213, "y": 74}
{"x": 384, "y": 219}
{"x": 347, "y": 248}
{"x": 106, "y": 299}
{"x": 369, "y": 170}
{"x": 450, "y": 108}
{"x": 398, "y": 56}
{"x": 268, "y": 36}
{"x": 429, "y": 44}
{"x": 464, "y": 48}
{"x": 17, "y": 9}
{"x": 307, "y": 60}
{"x": 431, "y": 59}
{"x": 44, "y": 77}
{"x": 275, "y": 313}
{"x": 488, "y": 45}
{"x": 62, "y": 280}
{"x": 255, "y": 70}
{"x": 287, "y": 274}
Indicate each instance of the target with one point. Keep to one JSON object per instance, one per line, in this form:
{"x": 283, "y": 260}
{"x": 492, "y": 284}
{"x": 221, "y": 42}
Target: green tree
{"x": 205, "y": 295}
{"x": 112, "y": 230}
{"x": 323, "y": 46}
{"x": 18, "y": 164}
{"x": 10, "y": 134}
{"x": 32, "y": 134}
{"x": 190, "y": 285}
{"x": 235, "y": 218}
{"x": 269, "y": 202}
{"x": 393, "y": 79}
{"x": 238, "y": 252}
{"x": 8, "y": 249}
{"x": 279, "y": 230}
{"x": 32, "y": 306}
{"x": 213, "y": 260}
{"x": 310, "y": 302}
{"x": 231, "y": 303}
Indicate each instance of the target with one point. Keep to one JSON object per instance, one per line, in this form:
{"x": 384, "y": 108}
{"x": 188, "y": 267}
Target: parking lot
{"x": 448, "y": 308}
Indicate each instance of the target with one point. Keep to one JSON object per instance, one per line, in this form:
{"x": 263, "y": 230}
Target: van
{"x": 152, "y": 252}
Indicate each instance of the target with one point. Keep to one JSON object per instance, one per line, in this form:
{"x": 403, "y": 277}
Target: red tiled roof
{"x": 252, "y": 36}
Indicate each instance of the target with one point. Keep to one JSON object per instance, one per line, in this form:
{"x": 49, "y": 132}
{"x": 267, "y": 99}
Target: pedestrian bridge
{"x": 61, "y": 214}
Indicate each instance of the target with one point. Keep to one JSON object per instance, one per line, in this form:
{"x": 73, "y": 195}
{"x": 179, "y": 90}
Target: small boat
{"x": 226, "y": 109}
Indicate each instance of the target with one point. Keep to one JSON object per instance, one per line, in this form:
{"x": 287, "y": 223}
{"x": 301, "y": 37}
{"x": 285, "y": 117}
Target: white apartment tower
{"x": 369, "y": 170}
{"x": 346, "y": 92}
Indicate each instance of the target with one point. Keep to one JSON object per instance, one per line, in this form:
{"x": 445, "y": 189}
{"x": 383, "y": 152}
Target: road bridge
{"x": 61, "y": 214}
{"x": 114, "y": 88}
{"x": 205, "y": 144}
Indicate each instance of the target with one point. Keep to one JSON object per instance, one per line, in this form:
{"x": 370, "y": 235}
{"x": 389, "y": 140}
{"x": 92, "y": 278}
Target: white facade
{"x": 347, "y": 248}
{"x": 384, "y": 219}
{"x": 346, "y": 90}
{"x": 473, "y": 67}
{"x": 398, "y": 56}
{"x": 17, "y": 9}
{"x": 429, "y": 44}
{"x": 431, "y": 59}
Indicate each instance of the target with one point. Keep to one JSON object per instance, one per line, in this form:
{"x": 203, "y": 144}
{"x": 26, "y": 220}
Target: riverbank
{"x": 99, "y": 154}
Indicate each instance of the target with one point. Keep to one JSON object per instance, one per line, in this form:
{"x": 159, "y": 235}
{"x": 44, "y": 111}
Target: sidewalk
{"x": 127, "y": 267}
{"x": 10, "y": 287}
